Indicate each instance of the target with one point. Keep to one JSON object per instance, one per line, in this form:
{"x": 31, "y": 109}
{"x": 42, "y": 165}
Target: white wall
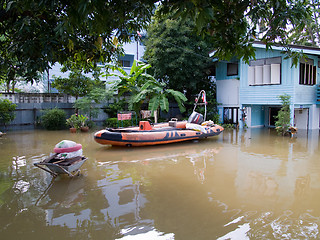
{"x": 134, "y": 49}
{"x": 228, "y": 92}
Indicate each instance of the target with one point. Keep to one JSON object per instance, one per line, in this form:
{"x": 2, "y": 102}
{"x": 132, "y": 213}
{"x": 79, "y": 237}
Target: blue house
{"x": 249, "y": 93}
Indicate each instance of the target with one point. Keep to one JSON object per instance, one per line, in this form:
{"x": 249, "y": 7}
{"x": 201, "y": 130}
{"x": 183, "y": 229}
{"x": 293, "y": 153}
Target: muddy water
{"x": 239, "y": 185}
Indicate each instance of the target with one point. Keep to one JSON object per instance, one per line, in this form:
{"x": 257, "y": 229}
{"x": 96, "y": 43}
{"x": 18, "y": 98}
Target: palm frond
{"x": 164, "y": 103}
{"x": 179, "y": 97}
{"x": 133, "y": 67}
{"x": 177, "y": 94}
{"x": 140, "y": 96}
{"x": 154, "y": 104}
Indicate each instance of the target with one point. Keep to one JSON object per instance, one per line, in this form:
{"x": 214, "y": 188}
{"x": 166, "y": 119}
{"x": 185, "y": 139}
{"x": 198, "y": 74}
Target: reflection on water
{"x": 240, "y": 185}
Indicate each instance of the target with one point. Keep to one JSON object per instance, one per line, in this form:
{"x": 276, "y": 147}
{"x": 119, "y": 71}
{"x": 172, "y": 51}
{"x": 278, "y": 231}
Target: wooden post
{"x": 155, "y": 116}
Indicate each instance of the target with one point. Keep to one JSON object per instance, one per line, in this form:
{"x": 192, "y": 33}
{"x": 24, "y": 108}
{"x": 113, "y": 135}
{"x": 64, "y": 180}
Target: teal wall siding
{"x": 259, "y": 97}
{"x": 267, "y": 94}
{"x": 221, "y": 71}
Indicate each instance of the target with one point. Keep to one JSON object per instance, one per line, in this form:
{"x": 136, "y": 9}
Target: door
{"x": 301, "y": 118}
{"x": 273, "y": 112}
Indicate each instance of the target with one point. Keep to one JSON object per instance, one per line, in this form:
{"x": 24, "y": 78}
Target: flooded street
{"x": 248, "y": 184}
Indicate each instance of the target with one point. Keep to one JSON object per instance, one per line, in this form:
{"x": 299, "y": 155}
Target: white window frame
{"x": 265, "y": 71}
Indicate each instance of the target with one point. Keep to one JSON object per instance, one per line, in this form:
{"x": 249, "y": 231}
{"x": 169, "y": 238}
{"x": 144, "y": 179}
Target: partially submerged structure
{"x": 249, "y": 93}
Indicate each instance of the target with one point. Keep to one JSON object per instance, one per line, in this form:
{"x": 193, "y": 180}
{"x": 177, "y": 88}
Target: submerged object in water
{"x": 67, "y": 159}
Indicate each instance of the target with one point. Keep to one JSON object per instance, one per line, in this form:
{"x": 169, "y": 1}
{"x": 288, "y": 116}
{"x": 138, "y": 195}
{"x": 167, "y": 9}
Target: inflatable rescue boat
{"x": 152, "y": 134}
{"x": 146, "y": 134}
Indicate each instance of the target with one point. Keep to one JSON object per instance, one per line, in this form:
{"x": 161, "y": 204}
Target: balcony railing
{"x": 318, "y": 95}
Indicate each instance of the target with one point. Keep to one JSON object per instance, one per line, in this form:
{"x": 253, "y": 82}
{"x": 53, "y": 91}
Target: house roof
{"x": 295, "y": 48}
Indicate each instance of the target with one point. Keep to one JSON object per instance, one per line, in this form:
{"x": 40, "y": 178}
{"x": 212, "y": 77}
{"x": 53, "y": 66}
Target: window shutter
{"x": 275, "y": 73}
{"x": 314, "y": 75}
{"x": 267, "y": 74}
{"x": 258, "y": 75}
{"x": 251, "y": 75}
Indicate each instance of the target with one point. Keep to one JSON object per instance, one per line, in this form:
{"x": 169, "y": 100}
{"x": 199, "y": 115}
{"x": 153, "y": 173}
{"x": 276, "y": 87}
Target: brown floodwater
{"x": 239, "y": 185}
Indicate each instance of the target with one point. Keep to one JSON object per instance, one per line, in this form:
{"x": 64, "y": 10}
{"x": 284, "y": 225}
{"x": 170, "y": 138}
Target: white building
{"x": 133, "y": 51}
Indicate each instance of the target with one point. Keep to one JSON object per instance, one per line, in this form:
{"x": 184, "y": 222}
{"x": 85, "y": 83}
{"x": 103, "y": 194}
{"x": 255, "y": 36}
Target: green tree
{"x": 179, "y": 57}
{"x": 143, "y": 87}
{"x": 130, "y": 83}
{"x": 158, "y": 96}
{"x": 310, "y": 35}
{"x": 88, "y": 104}
{"x": 7, "y": 109}
{"x": 283, "y": 117}
{"x": 233, "y": 26}
{"x": 40, "y": 33}
{"x": 11, "y": 70}
{"x": 77, "y": 84}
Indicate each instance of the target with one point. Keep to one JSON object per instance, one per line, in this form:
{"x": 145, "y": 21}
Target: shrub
{"x": 91, "y": 124}
{"x": 113, "y": 108}
{"x": 7, "y": 109}
{"x": 283, "y": 117}
{"x": 113, "y": 123}
{"x": 215, "y": 117}
{"x": 229, "y": 126}
{"x": 73, "y": 121}
{"x": 54, "y": 119}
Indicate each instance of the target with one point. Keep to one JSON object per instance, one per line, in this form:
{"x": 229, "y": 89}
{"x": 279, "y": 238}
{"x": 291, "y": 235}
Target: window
{"x": 230, "y": 115}
{"x": 125, "y": 63}
{"x": 308, "y": 72}
{"x": 232, "y": 69}
{"x": 264, "y": 71}
{"x": 126, "y": 60}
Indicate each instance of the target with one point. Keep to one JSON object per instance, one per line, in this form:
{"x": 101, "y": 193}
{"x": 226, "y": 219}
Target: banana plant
{"x": 158, "y": 96}
{"x": 130, "y": 82}
{"x": 144, "y": 87}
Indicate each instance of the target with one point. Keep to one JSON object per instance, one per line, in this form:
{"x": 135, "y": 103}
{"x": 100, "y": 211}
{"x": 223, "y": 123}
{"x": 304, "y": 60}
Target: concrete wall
{"x": 31, "y": 106}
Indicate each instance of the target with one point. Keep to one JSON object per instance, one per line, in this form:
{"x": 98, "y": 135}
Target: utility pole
{"x": 48, "y": 81}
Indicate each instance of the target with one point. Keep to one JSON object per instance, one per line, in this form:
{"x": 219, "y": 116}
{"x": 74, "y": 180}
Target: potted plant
{"x": 82, "y": 121}
{"x": 73, "y": 122}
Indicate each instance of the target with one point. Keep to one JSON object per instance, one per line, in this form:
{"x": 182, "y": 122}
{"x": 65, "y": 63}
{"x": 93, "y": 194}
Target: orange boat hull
{"x": 160, "y": 134}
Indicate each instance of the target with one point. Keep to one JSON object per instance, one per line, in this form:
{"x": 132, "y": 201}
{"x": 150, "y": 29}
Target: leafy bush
{"x": 113, "y": 123}
{"x": 54, "y": 119}
{"x": 283, "y": 117}
{"x": 7, "y": 109}
{"x": 77, "y": 121}
{"x": 91, "y": 124}
{"x": 229, "y": 126}
{"x": 214, "y": 117}
{"x": 113, "y": 108}
{"x": 88, "y": 105}
{"x": 73, "y": 121}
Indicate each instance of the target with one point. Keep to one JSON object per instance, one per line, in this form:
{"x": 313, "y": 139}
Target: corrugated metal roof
{"x": 295, "y": 48}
